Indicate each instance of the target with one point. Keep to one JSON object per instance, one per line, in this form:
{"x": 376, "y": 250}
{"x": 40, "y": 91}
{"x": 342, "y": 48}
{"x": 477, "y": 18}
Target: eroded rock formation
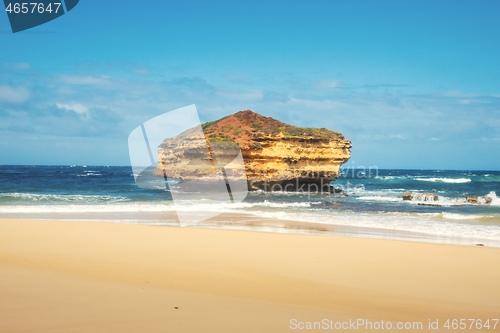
{"x": 420, "y": 196}
{"x": 277, "y": 156}
{"x": 481, "y": 200}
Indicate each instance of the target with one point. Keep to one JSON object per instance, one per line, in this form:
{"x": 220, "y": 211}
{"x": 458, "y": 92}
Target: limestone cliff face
{"x": 277, "y": 156}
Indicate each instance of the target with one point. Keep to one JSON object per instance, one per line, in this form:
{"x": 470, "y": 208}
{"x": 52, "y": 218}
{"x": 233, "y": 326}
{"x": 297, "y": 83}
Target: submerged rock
{"x": 480, "y": 200}
{"x": 277, "y": 156}
{"x": 407, "y": 196}
{"x": 325, "y": 204}
{"x": 420, "y": 196}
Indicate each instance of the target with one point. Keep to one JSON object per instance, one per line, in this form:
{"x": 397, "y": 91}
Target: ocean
{"x": 373, "y": 206}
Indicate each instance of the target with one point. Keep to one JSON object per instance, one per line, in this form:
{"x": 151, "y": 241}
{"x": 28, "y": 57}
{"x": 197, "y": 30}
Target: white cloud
{"x": 16, "y": 65}
{"x": 397, "y": 136}
{"x": 326, "y": 84}
{"x": 66, "y": 90}
{"x": 315, "y": 105}
{"x": 458, "y": 93}
{"x": 238, "y": 78}
{"x": 85, "y": 80}
{"x": 76, "y": 108}
{"x": 141, "y": 70}
{"x": 471, "y": 101}
{"x": 245, "y": 95}
{"x": 16, "y": 95}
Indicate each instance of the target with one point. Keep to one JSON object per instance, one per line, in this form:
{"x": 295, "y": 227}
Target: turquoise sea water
{"x": 373, "y": 202}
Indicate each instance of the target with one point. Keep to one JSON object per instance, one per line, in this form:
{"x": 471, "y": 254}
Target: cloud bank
{"x": 389, "y": 123}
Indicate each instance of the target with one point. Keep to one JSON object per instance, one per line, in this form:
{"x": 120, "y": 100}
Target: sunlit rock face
{"x": 277, "y": 156}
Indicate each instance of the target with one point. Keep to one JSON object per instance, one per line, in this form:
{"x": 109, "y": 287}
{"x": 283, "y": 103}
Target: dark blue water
{"x": 27, "y": 185}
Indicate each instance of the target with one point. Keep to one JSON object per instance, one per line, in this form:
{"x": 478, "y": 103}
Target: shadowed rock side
{"x": 277, "y": 156}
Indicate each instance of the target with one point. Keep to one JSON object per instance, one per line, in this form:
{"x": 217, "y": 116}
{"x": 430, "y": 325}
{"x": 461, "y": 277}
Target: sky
{"x": 413, "y": 84}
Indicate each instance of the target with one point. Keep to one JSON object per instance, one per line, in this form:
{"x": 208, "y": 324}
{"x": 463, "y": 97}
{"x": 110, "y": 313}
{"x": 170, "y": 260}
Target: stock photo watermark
{"x": 24, "y": 15}
{"x": 367, "y": 325}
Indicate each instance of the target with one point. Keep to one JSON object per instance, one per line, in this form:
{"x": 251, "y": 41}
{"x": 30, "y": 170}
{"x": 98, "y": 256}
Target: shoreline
{"x": 69, "y": 276}
{"x": 252, "y": 222}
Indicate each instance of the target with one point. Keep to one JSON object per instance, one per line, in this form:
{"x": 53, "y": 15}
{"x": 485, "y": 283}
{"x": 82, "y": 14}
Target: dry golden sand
{"x": 58, "y": 276}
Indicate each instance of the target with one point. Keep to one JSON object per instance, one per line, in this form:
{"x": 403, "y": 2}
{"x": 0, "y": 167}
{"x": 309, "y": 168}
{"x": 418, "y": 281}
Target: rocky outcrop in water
{"x": 480, "y": 200}
{"x": 277, "y": 156}
{"x": 424, "y": 197}
{"x": 420, "y": 196}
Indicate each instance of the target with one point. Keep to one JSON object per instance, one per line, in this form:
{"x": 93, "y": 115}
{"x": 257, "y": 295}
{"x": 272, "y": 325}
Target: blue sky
{"x": 413, "y": 84}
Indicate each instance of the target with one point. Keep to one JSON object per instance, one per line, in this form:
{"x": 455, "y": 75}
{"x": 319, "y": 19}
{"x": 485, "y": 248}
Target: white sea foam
{"x": 438, "y": 224}
{"x": 390, "y": 177}
{"x": 445, "y": 180}
{"x": 455, "y": 216}
{"x": 419, "y": 223}
{"x": 114, "y": 204}
{"x": 34, "y": 197}
{"x": 221, "y": 206}
{"x": 381, "y": 192}
{"x": 89, "y": 174}
{"x": 495, "y": 201}
{"x": 442, "y": 200}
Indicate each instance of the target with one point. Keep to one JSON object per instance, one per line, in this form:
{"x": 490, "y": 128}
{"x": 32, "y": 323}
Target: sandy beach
{"x": 60, "y": 276}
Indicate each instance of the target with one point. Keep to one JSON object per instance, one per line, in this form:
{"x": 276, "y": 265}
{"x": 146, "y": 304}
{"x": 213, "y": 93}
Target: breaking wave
{"x": 445, "y": 180}
{"x": 59, "y": 198}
